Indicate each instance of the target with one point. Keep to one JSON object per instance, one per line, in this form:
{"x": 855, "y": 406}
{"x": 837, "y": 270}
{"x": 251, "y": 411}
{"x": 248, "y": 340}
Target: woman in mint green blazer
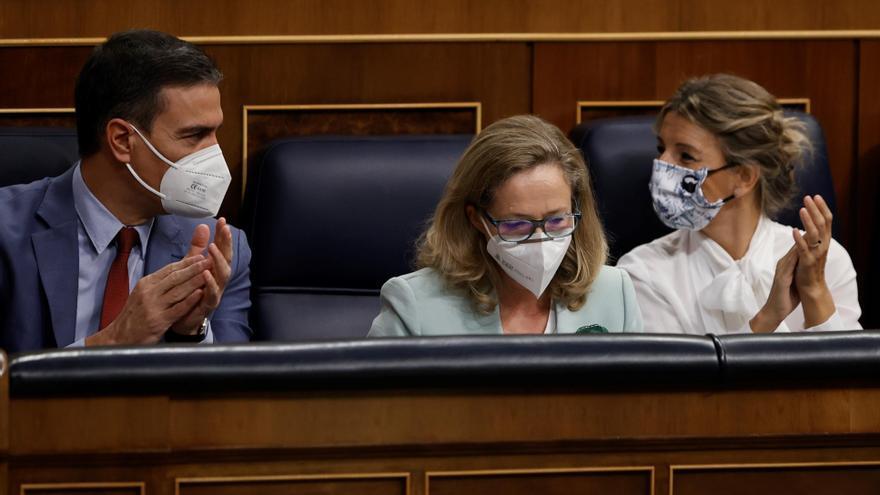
{"x": 515, "y": 247}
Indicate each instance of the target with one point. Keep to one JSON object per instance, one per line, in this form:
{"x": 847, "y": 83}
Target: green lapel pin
{"x": 591, "y": 329}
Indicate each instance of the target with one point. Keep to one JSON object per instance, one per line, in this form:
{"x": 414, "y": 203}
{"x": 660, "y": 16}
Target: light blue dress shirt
{"x": 97, "y": 228}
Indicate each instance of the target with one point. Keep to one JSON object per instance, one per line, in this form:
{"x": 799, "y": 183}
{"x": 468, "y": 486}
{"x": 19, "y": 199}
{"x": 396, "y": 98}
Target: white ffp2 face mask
{"x": 532, "y": 263}
{"x": 193, "y": 186}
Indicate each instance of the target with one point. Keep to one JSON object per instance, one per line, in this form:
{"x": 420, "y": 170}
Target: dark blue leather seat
{"x": 32, "y": 153}
{"x": 620, "y": 154}
{"x": 333, "y": 219}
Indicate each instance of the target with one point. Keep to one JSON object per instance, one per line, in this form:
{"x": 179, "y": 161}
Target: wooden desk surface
{"x": 501, "y": 440}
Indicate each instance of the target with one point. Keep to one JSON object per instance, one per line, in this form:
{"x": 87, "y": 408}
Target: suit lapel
{"x": 166, "y": 245}
{"x": 57, "y": 255}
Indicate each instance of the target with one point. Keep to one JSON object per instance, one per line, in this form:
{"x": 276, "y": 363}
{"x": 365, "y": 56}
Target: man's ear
{"x": 748, "y": 176}
{"x": 118, "y": 135}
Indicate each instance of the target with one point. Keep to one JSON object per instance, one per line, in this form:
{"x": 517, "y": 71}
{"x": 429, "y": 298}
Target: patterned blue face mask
{"x": 678, "y": 196}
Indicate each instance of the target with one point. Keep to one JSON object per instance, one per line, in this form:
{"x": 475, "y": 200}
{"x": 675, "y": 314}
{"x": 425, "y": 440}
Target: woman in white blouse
{"x": 727, "y": 155}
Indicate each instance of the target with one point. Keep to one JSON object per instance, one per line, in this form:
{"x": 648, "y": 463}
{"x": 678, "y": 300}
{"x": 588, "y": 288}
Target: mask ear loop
{"x": 488, "y": 230}
{"x": 153, "y": 148}
{"x": 141, "y": 181}
{"x": 155, "y": 152}
{"x": 719, "y": 169}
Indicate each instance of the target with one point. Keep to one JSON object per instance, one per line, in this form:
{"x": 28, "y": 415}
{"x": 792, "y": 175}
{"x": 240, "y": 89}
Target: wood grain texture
{"x": 587, "y": 111}
{"x": 325, "y": 485}
{"x": 436, "y": 419}
{"x": 549, "y": 483}
{"x": 83, "y": 489}
{"x": 38, "y": 120}
{"x": 102, "y": 425}
{"x": 473, "y": 441}
{"x": 388, "y": 419}
{"x": 755, "y": 480}
{"x": 40, "y": 77}
{"x": 72, "y": 18}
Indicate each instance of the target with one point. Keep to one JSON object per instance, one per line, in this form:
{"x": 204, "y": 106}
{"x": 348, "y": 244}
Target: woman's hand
{"x": 783, "y": 298}
{"x": 812, "y": 250}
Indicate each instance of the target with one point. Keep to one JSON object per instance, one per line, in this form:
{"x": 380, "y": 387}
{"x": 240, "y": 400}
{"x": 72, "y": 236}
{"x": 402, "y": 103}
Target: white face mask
{"x": 193, "y": 186}
{"x": 531, "y": 264}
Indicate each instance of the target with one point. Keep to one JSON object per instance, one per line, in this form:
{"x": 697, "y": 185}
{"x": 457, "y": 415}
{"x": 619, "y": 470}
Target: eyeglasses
{"x": 555, "y": 226}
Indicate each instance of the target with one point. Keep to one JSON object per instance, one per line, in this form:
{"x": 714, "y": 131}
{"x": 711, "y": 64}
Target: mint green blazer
{"x": 418, "y": 303}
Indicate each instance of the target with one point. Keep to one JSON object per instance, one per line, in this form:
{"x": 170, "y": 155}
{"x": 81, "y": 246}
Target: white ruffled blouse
{"x": 687, "y": 283}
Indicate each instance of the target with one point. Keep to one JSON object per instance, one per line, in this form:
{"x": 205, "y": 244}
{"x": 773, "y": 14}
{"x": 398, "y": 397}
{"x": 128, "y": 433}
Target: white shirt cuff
{"x": 834, "y": 322}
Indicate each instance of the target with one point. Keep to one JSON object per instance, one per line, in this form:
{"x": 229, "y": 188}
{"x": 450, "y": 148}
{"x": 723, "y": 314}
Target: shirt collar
{"x": 100, "y": 225}
{"x": 759, "y": 243}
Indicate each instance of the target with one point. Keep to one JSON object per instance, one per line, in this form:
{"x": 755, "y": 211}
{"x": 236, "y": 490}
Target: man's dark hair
{"x": 123, "y": 77}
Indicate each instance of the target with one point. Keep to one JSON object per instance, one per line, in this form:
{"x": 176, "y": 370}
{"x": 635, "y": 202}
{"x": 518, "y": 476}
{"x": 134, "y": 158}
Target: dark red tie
{"x": 116, "y": 292}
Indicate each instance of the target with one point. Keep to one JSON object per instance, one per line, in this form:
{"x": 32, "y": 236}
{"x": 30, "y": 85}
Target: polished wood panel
{"x": 815, "y": 479}
{"x": 549, "y": 481}
{"x": 38, "y": 117}
{"x": 592, "y": 110}
{"x": 163, "y": 468}
{"x": 822, "y": 71}
{"x": 83, "y": 489}
{"x": 108, "y": 475}
{"x": 328, "y": 484}
{"x": 68, "y": 18}
{"x": 394, "y": 419}
{"x": 40, "y": 77}
{"x": 102, "y": 424}
{"x": 267, "y": 123}
{"x": 442, "y": 440}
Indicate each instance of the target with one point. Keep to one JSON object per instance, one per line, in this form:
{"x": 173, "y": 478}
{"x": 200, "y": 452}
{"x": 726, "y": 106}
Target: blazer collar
{"x": 567, "y": 321}
{"x": 57, "y": 209}
{"x": 55, "y": 250}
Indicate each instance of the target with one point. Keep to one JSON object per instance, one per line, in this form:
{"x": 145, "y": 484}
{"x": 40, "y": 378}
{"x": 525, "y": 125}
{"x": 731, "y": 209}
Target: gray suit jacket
{"x": 419, "y": 303}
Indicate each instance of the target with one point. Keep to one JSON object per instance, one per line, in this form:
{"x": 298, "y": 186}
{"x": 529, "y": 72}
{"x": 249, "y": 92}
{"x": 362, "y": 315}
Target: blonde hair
{"x": 751, "y": 127}
{"x": 457, "y": 251}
